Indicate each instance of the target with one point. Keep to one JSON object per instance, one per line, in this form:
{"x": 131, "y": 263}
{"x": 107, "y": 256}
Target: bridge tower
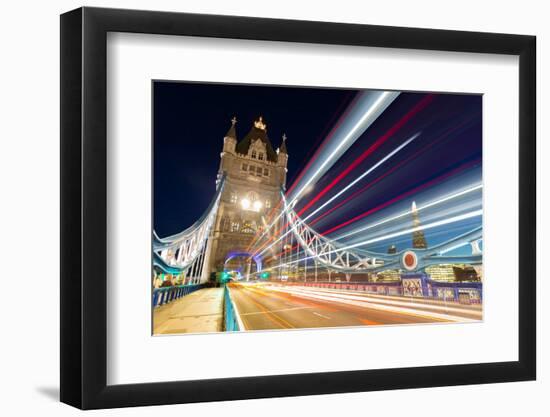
{"x": 254, "y": 174}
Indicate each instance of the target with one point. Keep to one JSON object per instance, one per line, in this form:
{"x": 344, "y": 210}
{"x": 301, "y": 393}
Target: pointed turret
{"x": 282, "y": 153}
{"x": 230, "y": 138}
{"x": 282, "y": 148}
{"x": 232, "y": 133}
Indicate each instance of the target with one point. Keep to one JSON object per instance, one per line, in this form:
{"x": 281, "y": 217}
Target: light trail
{"x": 374, "y": 209}
{"x": 382, "y": 139}
{"x": 350, "y": 185}
{"x": 363, "y": 175}
{"x": 394, "y": 168}
{"x": 372, "y": 113}
{"x": 421, "y": 105}
{"x": 401, "y": 196}
{"x": 472, "y": 214}
{"x": 341, "y": 119}
{"x": 433, "y": 203}
{"x": 385, "y": 99}
{"x": 408, "y": 212}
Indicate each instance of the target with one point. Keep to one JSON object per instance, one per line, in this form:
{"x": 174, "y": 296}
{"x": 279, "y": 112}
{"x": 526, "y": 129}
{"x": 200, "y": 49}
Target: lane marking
{"x": 272, "y": 317}
{"x": 394, "y": 309}
{"x": 277, "y": 311}
{"x": 320, "y": 315}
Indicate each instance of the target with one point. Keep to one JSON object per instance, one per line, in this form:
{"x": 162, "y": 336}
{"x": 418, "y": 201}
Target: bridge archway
{"x": 244, "y": 255}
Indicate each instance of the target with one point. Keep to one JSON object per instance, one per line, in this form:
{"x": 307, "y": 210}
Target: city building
{"x": 254, "y": 174}
{"x": 419, "y": 240}
{"x": 452, "y": 273}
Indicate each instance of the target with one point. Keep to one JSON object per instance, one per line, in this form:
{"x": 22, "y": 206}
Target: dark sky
{"x": 190, "y": 121}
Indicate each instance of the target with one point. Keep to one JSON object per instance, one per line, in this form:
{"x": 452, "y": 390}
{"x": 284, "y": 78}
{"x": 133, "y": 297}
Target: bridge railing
{"x": 166, "y": 295}
{"x": 232, "y": 320}
{"x": 461, "y": 292}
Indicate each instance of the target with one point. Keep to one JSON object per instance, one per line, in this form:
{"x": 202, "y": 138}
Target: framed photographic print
{"x": 349, "y": 207}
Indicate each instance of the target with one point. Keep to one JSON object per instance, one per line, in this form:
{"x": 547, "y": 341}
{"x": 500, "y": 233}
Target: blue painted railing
{"x": 165, "y": 295}
{"x": 232, "y": 322}
{"x": 462, "y": 292}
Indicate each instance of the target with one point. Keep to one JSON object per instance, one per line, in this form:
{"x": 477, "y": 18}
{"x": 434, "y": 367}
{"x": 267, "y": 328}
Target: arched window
{"x": 253, "y": 154}
{"x": 261, "y": 156}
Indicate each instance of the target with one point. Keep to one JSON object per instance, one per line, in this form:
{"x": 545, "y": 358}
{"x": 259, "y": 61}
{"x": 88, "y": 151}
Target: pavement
{"x": 271, "y": 306}
{"x": 198, "y": 312}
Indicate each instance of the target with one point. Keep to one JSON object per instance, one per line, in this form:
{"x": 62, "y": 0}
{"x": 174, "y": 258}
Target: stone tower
{"x": 254, "y": 174}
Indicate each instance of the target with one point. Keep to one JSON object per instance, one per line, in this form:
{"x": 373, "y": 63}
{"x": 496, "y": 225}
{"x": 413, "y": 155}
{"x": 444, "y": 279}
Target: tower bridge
{"x": 250, "y": 234}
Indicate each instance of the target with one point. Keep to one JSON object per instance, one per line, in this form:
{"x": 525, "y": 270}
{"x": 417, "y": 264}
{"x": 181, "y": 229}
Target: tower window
{"x": 233, "y": 198}
{"x": 259, "y": 171}
{"x": 234, "y": 226}
{"x": 248, "y": 227}
{"x": 261, "y": 156}
{"x": 266, "y": 172}
{"x": 244, "y": 167}
{"x": 253, "y": 154}
{"x": 267, "y": 203}
{"x": 225, "y": 223}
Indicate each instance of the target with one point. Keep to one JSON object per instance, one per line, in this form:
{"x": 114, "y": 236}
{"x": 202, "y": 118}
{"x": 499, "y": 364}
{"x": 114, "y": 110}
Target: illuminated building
{"x": 254, "y": 174}
{"x": 389, "y": 275}
{"x": 452, "y": 273}
{"x": 419, "y": 240}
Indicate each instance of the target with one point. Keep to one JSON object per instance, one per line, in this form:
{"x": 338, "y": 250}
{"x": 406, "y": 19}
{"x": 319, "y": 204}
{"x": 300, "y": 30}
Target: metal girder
{"x": 178, "y": 252}
{"x": 335, "y": 256}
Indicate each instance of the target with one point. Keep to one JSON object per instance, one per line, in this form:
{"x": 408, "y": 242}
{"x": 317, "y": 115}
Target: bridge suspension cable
{"x": 186, "y": 250}
{"x": 349, "y": 258}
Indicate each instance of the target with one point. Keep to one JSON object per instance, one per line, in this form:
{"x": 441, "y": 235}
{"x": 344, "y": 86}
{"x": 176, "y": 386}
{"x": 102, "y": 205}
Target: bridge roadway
{"x": 272, "y": 306}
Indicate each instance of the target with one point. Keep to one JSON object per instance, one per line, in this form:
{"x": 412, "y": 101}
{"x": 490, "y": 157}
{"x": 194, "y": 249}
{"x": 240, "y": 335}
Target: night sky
{"x": 190, "y": 121}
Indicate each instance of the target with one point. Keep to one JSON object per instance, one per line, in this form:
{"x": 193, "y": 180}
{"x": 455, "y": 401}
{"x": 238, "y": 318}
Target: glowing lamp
{"x": 245, "y": 203}
{"x": 257, "y": 205}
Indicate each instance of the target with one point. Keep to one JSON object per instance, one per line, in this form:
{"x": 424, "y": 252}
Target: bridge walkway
{"x": 198, "y": 312}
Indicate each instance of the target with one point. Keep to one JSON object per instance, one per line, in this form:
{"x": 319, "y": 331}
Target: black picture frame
{"x": 84, "y": 207}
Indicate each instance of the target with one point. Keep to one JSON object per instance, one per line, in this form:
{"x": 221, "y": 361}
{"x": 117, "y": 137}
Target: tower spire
{"x": 418, "y": 238}
{"x": 232, "y": 133}
{"x": 282, "y": 148}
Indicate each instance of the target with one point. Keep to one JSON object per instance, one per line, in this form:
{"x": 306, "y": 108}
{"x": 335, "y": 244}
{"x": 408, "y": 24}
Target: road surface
{"x": 265, "y": 307}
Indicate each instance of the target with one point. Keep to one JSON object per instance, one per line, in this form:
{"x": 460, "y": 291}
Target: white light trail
{"x": 443, "y": 222}
{"x": 343, "y": 190}
{"x": 363, "y": 175}
{"x": 383, "y": 101}
{"x": 408, "y": 212}
{"x": 453, "y": 247}
{"x": 375, "y": 109}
